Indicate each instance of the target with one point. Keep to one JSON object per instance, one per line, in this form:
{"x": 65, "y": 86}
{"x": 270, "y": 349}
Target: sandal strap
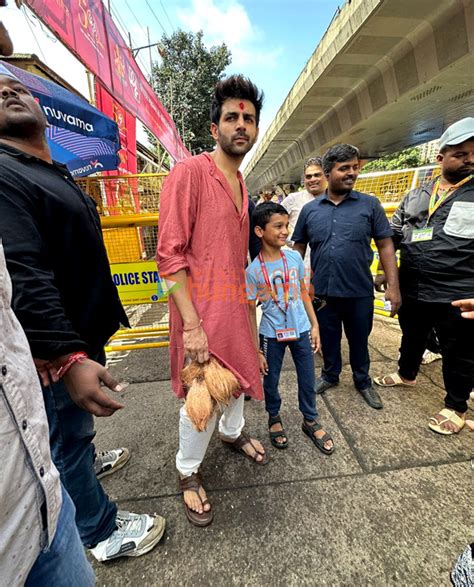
{"x": 315, "y": 427}
{"x": 241, "y": 440}
{"x": 274, "y": 420}
{"x": 326, "y": 438}
{"x": 450, "y": 416}
{"x": 191, "y": 483}
{"x": 278, "y": 434}
{"x": 395, "y": 377}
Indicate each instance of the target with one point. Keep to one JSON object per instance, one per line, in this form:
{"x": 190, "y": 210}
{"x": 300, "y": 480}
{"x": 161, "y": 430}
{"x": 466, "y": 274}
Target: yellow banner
{"x": 137, "y": 283}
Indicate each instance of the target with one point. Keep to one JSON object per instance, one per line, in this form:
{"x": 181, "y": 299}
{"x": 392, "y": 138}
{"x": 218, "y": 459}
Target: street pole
{"x": 149, "y": 50}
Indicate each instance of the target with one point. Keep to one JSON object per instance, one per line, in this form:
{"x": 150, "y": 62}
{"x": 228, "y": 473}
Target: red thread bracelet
{"x": 78, "y": 357}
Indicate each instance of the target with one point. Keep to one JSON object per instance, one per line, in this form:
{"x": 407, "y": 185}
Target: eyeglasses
{"x": 310, "y": 175}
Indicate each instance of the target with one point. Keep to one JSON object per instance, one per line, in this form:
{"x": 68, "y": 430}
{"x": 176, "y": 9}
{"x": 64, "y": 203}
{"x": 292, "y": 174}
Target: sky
{"x": 270, "y": 40}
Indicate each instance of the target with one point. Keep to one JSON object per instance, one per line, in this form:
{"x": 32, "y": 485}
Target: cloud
{"x": 228, "y": 22}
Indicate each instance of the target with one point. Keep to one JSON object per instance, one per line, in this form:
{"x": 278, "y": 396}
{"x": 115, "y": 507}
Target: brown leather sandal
{"x": 238, "y": 445}
{"x": 194, "y": 483}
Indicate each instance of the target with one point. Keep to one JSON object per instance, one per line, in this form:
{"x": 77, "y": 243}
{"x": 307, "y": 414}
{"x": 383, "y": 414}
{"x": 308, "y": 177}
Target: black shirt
{"x": 63, "y": 294}
{"x": 441, "y": 269}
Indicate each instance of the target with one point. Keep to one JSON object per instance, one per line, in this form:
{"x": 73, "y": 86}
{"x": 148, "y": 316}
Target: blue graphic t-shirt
{"x": 273, "y": 317}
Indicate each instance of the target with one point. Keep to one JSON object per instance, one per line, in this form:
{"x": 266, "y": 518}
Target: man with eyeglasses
{"x": 315, "y": 184}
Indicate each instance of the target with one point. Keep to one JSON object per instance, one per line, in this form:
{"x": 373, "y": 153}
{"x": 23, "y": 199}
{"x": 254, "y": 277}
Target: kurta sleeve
{"x": 178, "y": 210}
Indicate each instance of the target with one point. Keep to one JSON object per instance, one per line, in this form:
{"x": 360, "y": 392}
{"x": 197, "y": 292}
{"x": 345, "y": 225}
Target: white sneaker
{"x": 109, "y": 461}
{"x": 136, "y": 534}
{"x": 430, "y": 357}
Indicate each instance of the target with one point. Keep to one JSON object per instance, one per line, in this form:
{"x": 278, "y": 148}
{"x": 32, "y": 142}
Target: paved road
{"x": 392, "y": 505}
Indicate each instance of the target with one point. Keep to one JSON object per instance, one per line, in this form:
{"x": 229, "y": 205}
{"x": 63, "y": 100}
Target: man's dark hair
{"x": 263, "y": 212}
{"x": 239, "y": 87}
{"x": 338, "y": 154}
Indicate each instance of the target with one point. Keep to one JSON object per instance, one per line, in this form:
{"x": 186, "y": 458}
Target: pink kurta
{"x": 201, "y": 231}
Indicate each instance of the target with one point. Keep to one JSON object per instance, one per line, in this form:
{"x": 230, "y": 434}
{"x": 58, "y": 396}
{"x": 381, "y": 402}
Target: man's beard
{"x": 233, "y": 150}
{"x": 459, "y": 175}
{"x": 341, "y": 190}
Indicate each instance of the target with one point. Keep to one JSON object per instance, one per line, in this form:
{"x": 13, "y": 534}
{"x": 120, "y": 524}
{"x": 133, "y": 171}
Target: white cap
{"x": 460, "y": 131}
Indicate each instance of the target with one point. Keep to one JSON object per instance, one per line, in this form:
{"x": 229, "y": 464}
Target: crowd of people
{"x": 58, "y": 307}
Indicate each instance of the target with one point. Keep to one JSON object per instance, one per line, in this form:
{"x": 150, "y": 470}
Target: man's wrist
{"x": 65, "y": 362}
{"x": 190, "y": 321}
{"x": 194, "y": 327}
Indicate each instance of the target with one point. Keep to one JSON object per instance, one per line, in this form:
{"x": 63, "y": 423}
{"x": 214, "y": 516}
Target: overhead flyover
{"x": 387, "y": 74}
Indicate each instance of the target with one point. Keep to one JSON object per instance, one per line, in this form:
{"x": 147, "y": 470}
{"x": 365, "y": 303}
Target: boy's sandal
{"x": 392, "y": 380}
{"x": 310, "y": 429}
{"x": 448, "y": 416}
{"x": 277, "y": 433}
{"x": 194, "y": 483}
{"x": 238, "y": 445}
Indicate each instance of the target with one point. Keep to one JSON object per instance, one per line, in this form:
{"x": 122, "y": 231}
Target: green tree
{"x": 401, "y": 160}
{"x": 184, "y": 82}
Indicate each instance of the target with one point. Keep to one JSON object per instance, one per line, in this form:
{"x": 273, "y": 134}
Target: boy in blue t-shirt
{"x": 276, "y": 279}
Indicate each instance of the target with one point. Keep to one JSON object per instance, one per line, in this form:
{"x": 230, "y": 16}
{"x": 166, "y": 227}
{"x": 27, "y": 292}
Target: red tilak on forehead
{"x": 241, "y": 105}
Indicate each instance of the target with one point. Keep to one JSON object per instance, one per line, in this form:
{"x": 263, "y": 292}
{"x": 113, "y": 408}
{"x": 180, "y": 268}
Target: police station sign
{"x": 137, "y": 283}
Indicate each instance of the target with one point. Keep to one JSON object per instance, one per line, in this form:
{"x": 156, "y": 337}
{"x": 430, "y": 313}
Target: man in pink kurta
{"x": 207, "y": 236}
{"x": 202, "y": 249}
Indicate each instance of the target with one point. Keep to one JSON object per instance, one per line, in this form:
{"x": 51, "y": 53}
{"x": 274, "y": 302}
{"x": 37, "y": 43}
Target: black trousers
{"x": 356, "y": 315}
{"x": 432, "y": 344}
{"x": 456, "y": 340}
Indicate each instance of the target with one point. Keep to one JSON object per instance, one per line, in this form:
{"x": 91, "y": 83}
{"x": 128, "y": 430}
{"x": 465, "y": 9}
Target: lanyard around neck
{"x": 437, "y": 203}
{"x": 286, "y": 282}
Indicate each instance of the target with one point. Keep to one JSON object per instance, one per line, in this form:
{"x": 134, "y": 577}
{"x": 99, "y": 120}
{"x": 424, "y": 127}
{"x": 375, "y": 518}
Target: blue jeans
{"x": 356, "y": 315}
{"x": 64, "y": 563}
{"x": 71, "y": 431}
{"x": 303, "y": 359}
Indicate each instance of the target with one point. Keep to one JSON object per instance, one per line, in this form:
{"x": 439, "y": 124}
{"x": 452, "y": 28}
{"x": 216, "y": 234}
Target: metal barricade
{"x": 392, "y": 186}
{"x": 128, "y": 206}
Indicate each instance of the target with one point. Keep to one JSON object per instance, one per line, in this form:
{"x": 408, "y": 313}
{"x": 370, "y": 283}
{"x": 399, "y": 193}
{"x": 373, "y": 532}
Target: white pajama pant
{"x": 193, "y": 444}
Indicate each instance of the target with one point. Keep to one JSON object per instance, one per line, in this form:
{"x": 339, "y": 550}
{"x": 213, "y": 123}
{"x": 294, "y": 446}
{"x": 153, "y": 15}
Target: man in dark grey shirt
{"x": 434, "y": 230}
